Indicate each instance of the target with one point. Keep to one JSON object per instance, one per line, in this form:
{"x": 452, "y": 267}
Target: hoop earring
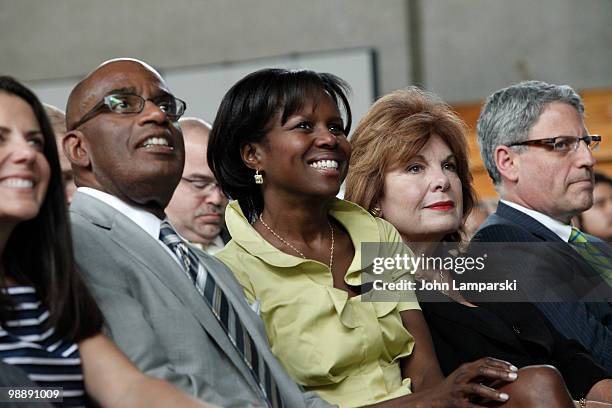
{"x": 258, "y": 177}
{"x": 376, "y": 211}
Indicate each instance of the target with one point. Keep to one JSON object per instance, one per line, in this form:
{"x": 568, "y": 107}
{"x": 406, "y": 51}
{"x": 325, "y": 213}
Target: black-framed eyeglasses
{"x": 563, "y": 143}
{"x": 130, "y": 103}
{"x": 201, "y": 186}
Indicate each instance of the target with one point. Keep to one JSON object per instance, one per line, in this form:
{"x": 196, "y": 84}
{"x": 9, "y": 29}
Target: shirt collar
{"x": 563, "y": 231}
{"x": 144, "y": 219}
{"x": 213, "y": 246}
{"x": 362, "y": 227}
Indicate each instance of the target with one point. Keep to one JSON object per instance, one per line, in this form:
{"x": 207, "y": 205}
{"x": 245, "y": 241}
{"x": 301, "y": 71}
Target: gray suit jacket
{"x": 155, "y": 315}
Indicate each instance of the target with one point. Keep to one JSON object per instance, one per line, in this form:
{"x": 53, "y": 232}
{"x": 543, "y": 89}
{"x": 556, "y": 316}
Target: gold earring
{"x": 376, "y": 211}
{"x": 258, "y": 177}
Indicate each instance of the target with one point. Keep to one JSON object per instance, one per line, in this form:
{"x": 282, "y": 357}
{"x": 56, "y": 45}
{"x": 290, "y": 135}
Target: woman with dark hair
{"x": 50, "y": 327}
{"x": 410, "y": 167}
{"x": 278, "y": 147}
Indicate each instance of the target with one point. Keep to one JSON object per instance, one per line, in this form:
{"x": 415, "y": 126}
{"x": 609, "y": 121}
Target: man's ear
{"x": 76, "y": 149}
{"x": 251, "y": 154}
{"x": 507, "y": 161}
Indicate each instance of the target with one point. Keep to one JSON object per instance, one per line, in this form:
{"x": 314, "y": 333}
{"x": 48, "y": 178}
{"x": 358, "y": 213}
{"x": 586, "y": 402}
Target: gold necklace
{"x": 281, "y": 239}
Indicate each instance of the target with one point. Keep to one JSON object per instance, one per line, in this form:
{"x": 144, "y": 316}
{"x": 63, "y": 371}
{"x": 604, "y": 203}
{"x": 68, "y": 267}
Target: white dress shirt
{"x": 213, "y": 246}
{"x": 144, "y": 219}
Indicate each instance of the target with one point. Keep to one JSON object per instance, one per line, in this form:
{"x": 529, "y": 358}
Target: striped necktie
{"x": 592, "y": 254}
{"x": 224, "y": 312}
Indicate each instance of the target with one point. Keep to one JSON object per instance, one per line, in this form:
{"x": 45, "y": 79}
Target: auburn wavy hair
{"x": 393, "y": 131}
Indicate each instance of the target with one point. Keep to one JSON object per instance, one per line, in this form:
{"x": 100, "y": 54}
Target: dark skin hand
{"x": 429, "y": 386}
{"x": 460, "y": 388}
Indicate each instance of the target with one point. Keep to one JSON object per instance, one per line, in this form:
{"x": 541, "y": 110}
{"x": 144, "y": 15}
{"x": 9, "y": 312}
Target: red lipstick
{"x": 442, "y": 206}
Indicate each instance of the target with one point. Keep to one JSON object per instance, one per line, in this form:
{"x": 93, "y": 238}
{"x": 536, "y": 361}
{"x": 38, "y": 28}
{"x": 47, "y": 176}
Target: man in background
{"x": 58, "y": 121}
{"x": 597, "y": 220}
{"x": 198, "y": 204}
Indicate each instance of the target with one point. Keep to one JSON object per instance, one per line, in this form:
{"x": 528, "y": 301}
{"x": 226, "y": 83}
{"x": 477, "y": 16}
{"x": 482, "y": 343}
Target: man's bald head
{"x": 82, "y": 98}
{"x": 136, "y": 156}
{"x": 57, "y": 118}
{"x": 189, "y": 123}
{"x": 197, "y": 206}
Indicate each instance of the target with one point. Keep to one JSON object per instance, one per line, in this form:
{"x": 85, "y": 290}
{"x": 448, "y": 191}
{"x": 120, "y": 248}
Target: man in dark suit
{"x": 176, "y": 312}
{"x": 537, "y": 151}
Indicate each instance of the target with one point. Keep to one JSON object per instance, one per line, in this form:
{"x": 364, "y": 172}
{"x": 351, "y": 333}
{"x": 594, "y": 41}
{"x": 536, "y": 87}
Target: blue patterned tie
{"x": 224, "y": 312}
{"x": 592, "y": 254}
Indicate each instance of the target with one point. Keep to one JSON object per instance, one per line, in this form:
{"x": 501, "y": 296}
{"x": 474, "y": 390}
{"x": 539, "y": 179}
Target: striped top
{"x": 27, "y": 343}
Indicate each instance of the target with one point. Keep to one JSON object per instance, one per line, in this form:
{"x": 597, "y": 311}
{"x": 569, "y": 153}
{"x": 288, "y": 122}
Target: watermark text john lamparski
{"x": 507, "y": 285}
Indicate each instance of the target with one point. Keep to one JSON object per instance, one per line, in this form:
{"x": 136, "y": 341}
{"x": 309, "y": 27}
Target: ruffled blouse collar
{"x": 361, "y": 227}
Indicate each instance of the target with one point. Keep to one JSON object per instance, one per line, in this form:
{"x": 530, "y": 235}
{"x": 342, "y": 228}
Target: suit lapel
{"x": 544, "y": 234}
{"x": 153, "y": 259}
{"x": 530, "y": 224}
{"x": 591, "y": 283}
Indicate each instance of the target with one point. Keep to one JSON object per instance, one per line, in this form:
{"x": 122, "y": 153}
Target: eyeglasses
{"x": 130, "y": 103}
{"x": 563, "y": 143}
{"x": 202, "y": 187}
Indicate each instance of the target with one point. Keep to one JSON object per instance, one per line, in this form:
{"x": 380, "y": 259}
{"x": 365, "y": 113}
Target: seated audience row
{"x": 297, "y": 153}
{"x": 279, "y": 147}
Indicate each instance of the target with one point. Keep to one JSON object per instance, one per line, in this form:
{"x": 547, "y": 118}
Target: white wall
{"x": 469, "y": 47}
{"x": 203, "y": 86}
{"x": 68, "y": 38}
{"x": 474, "y": 47}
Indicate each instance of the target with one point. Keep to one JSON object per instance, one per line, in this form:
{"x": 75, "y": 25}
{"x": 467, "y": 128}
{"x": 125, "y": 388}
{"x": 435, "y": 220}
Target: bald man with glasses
{"x": 198, "y": 204}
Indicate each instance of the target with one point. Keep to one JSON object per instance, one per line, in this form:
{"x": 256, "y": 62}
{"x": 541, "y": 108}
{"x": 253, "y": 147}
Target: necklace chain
{"x": 281, "y": 239}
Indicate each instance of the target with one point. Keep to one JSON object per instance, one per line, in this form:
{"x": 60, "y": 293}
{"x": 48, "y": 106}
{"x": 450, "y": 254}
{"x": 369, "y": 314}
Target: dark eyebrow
{"x": 450, "y": 156}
